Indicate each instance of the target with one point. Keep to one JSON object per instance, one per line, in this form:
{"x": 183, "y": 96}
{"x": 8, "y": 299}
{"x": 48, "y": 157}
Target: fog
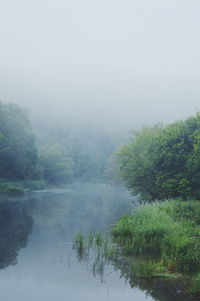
{"x": 40, "y": 263}
{"x": 119, "y": 64}
{"x": 88, "y": 72}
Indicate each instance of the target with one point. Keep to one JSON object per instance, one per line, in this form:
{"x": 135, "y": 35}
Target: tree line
{"x": 54, "y": 155}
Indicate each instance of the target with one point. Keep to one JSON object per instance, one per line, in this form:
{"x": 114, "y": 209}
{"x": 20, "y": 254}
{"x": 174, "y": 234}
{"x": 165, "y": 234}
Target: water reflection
{"x": 15, "y": 227}
{"x": 82, "y": 207}
{"x": 160, "y": 288}
{"x": 36, "y": 232}
{"x": 47, "y": 268}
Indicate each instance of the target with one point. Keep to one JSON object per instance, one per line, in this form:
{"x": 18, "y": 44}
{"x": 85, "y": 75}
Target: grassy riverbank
{"x": 166, "y": 234}
{"x": 156, "y": 248}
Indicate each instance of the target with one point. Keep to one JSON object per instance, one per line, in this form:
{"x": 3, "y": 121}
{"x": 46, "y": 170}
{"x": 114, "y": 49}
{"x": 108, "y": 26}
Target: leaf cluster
{"x": 163, "y": 162}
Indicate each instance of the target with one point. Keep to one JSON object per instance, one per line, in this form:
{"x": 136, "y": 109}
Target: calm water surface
{"x": 37, "y": 260}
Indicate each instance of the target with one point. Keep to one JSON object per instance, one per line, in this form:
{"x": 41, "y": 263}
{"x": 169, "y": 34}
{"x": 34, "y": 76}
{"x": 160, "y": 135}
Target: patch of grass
{"x": 182, "y": 210}
{"x": 163, "y": 231}
{"x": 144, "y": 269}
{"x": 99, "y": 239}
{"x": 143, "y": 231}
{"x": 182, "y": 247}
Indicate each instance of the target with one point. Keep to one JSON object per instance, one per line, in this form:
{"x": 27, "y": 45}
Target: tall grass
{"x": 167, "y": 231}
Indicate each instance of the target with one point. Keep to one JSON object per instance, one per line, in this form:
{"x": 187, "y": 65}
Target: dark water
{"x": 37, "y": 261}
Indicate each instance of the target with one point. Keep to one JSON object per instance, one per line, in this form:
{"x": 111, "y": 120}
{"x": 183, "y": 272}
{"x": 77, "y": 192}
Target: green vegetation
{"x": 56, "y": 164}
{"x": 167, "y": 233}
{"x": 52, "y": 156}
{"x": 18, "y": 188}
{"x": 150, "y": 275}
{"x": 96, "y": 250}
{"x": 91, "y": 149}
{"x": 84, "y": 244}
{"x": 22, "y": 166}
{"x": 19, "y": 170}
{"x": 86, "y": 154}
{"x": 164, "y": 162}
{"x": 18, "y": 152}
{"x": 11, "y": 188}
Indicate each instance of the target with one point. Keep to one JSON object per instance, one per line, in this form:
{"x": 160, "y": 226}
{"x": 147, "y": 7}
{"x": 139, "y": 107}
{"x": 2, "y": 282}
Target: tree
{"x": 163, "y": 162}
{"x": 136, "y": 162}
{"x": 18, "y": 152}
{"x": 57, "y": 165}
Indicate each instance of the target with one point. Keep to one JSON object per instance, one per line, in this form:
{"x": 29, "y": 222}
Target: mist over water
{"x": 40, "y": 262}
{"x": 46, "y": 267}
{"x": 88, "y": 72}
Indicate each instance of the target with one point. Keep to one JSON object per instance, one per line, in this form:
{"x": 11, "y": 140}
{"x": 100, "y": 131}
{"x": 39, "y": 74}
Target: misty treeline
{"x": 53, "y": 155}
{"x": 18, "y": 152}
{"x": 164, "y": 161}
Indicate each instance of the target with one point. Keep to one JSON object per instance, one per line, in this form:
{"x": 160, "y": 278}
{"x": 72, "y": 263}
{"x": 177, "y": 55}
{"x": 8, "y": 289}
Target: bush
{"x": 163, "y": 162}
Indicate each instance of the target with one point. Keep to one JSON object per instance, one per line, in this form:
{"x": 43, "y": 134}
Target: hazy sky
{"x": 130, "y": 62}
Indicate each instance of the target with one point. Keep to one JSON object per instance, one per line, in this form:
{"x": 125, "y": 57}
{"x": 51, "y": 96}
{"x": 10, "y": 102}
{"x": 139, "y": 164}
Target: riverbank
{"x": 165, "y": 236}
{"x": 157, "y": 245}
{"x": 18, "y": 188}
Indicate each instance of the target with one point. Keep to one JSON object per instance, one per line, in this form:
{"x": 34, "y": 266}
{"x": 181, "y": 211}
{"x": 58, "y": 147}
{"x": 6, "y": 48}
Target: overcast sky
{"x": 130, "y": 62}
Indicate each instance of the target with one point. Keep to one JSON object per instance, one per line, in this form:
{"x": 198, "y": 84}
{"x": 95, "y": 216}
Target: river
{"x": 37, "y": 261}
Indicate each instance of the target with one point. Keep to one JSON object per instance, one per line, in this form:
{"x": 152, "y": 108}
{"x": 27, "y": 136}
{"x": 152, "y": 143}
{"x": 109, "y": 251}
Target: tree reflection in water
{"x": 15, "y": 227}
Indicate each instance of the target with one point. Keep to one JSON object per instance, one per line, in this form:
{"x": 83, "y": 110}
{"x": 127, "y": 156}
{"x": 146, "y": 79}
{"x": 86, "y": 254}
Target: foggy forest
{"x": 99, "y": 150}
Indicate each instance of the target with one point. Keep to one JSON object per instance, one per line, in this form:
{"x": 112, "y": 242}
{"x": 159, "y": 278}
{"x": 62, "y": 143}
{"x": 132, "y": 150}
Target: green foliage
{"x": 136, "y": 159}
{"x": 56, "y": 164}
{"x": 102, "y": 251}
{"x": 143, "y": 232}
{"x": 79, "y": 242}
{"x": 11, "y": 188}
{"x": 181, "y": 248}
{"x": 99, "y": 239}
{"x": 145, "y": 269}
{"x": 18, "y": 153}
{"x": 163, "y": 162}
{"x": 164, "y": 231}
{"x": 185, "y": 211}
{"x": 111, "y": 171}
{"x": 90, "y": 149}
{"x": 87, "y": 150}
